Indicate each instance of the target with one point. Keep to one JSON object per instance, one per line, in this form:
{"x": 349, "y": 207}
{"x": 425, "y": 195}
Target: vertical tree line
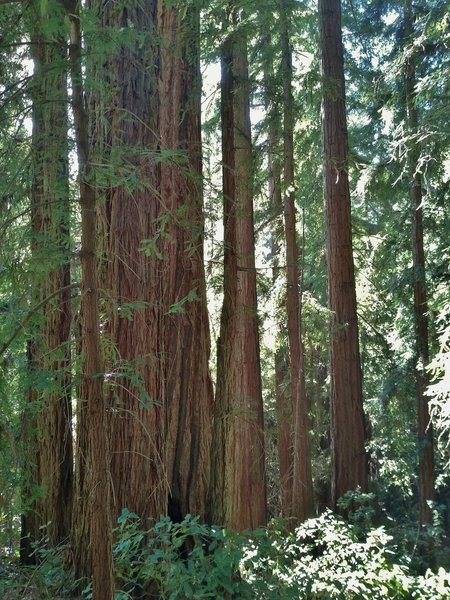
{"x": 302, "y": 490}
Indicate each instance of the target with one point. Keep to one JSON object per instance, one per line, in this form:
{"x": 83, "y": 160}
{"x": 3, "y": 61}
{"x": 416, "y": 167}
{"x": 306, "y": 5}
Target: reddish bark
{"x": 189, "y": 389}
{"x": 283, "y": 403}
{"x": 49, "y": 353}
{"x": 93, "y": 530}
{"x": 238, "y": 478}
{"x": 349, "y": 465}
{"x": 152, "y": 223}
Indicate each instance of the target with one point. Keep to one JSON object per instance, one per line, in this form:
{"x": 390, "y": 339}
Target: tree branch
{"x": 34, "y": 310}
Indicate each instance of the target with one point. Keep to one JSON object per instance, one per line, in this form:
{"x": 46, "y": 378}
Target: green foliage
{"x": 439, "y": 389}
{"x": 178, "y": 307}
{"x": 360, "y": 510}
{"x": 51, "y": 578}
{"x": 183, "y": 560}
{"x": 323, "y": 558}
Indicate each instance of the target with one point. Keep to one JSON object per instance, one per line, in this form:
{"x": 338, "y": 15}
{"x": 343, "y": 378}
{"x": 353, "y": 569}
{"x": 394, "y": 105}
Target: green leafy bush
{"x": 50, "y": 578}
{"x": 323, "y": 558}
{"x": 178, "y": 560}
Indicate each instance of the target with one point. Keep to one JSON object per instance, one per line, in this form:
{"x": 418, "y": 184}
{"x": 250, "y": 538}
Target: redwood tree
{"x": 282, "y": 397}
{"x": 92, "y": 523}
{"x": 302, "y": 502}
{"x": 189, "y": 394}
{"x": 146, "y": 119}
{"x": 349, "y": 465}
{"x": 238, "y": 494}
{"x": 425, "y": 430}
{"x": 49, "y": 351}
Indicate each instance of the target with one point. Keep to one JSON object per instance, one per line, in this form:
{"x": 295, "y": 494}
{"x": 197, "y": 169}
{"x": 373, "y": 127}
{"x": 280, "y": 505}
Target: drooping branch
{"x": 34, "y": 310}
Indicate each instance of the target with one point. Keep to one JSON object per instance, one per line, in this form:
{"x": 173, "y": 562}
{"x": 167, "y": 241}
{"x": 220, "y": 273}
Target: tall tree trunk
{"x": 29, "y": 527}
{"x": 134, "y": 217}
{"x": 238, "y": 495}
{"x": 49, "y": 353}
{"x": 189, "y": 393}
{"x": 160, "y": 390}
{"x": 302, "y": 503}
{"x": 425, "y": 430}
{"x": 283, "y": 403}
{"x": 95, "y": 557}
{"x": 349, "y": 464}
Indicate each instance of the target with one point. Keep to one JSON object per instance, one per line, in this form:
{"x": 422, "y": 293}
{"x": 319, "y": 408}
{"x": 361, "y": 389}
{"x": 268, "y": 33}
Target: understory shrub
{"x": 323, "y": 558}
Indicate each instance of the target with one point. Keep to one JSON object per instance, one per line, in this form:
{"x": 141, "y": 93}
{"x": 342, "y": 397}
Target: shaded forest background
{"x": 224, "y": 299}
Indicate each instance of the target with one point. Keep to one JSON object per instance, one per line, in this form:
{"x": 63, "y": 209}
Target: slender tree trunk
{"x": 283, "y": 403}
{"x": 349, "y": 465}
{"x": 425, "y": 430}
{"x": 238, "y": 495}
{"x": 29, "y": 530}
{"x": 282, "y": 397}
{"x": 96, "y": 556}
{"x": 49, "y": 353}
{"x": 302, "y": 504}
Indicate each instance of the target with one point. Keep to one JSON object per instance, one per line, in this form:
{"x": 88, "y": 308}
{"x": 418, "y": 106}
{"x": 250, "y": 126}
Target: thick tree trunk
{"x": 349, "y": 465}
{"x": 238, "y": 495}
{"x": 93, "y": 553}
{"x": 160, "y": 389}
{"x": 425, "y": 430}
{"x": 284, "y": 429}
{"x": 134, "y": 217}
{"x": 302, "y": 502}
{"x": 49, "y": 353}
{"x": 189, "y": 393}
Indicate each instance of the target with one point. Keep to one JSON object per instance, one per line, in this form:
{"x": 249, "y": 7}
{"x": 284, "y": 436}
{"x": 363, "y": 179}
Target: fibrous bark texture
{"x": 238, "y": 495}
{"x": 349, "y": 465}
{"x": 189, "y": 395}
{"x": 147, "y": 121}
{"x": 283, "y": 403}
{"x": 49, "y": 421}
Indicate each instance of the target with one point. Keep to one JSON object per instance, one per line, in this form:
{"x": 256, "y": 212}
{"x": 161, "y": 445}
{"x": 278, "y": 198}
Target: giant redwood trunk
{"x": 425, "y": 430}
{"x": 156, "y": 328}
{"x": 349, "y": 465}
{"x": 302, "y": 502}
{"x": 49, "y": 353}
{"x": 238, "y": 494}
{"x": 134, "y": 217}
